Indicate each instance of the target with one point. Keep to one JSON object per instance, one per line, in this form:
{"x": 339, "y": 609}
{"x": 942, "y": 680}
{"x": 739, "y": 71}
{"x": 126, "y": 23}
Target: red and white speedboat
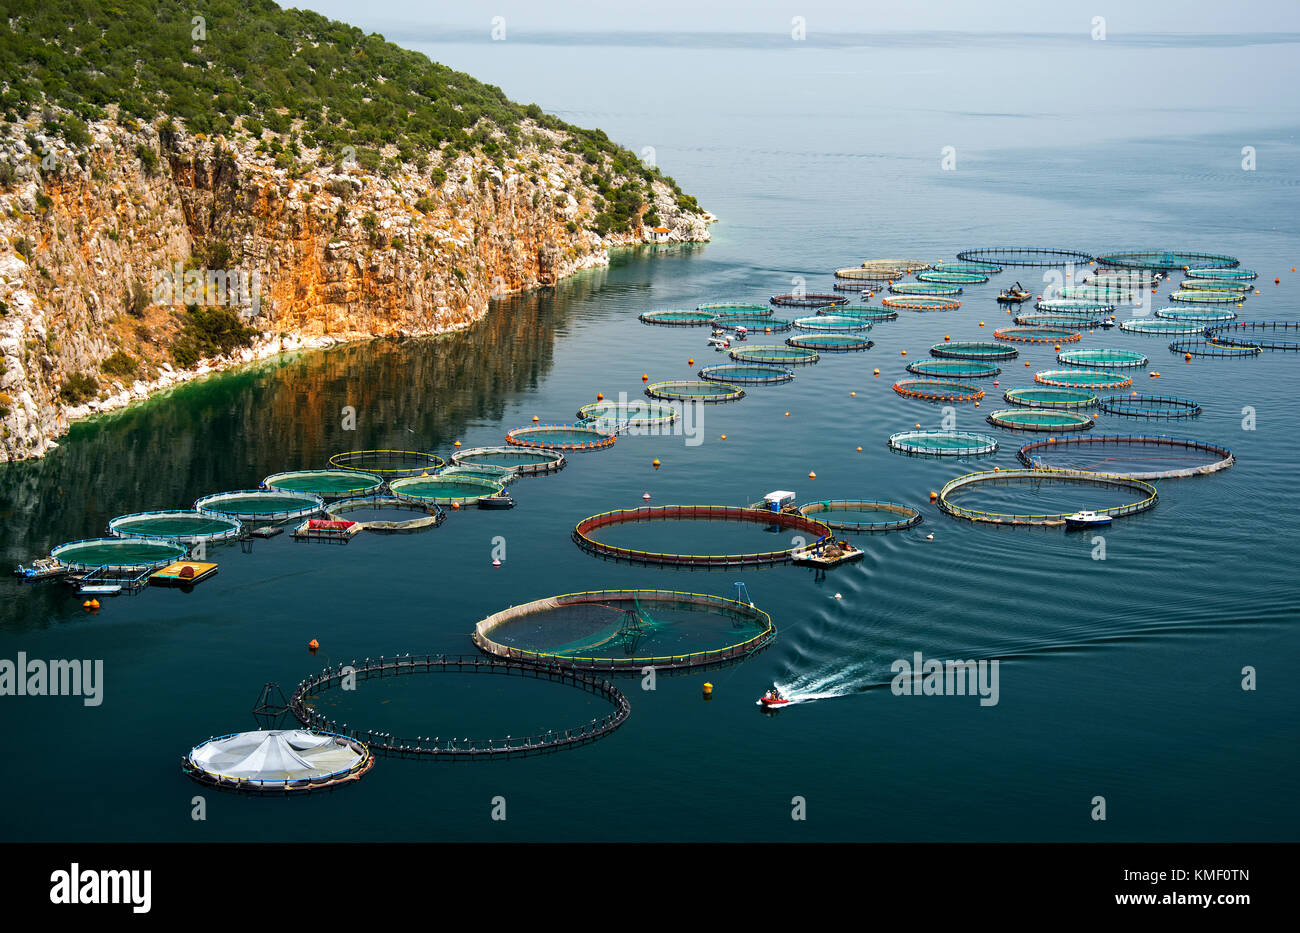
{"x": 772, "y": 700}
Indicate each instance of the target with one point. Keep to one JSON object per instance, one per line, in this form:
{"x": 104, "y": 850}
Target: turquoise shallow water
{"x": 1119, "y": 677}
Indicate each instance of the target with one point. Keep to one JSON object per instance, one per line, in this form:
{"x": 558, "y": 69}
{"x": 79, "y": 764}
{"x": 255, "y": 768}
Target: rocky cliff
{"x": 110, "y": 251}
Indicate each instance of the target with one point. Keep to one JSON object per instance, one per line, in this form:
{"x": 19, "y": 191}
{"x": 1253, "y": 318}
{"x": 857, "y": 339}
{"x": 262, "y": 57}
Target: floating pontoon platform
{"x": 183, "y": 573}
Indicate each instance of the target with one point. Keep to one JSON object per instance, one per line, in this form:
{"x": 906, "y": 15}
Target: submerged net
{"x": 783, "y": 356}
{"x": 560, "y": 437}
{"x": 260, "y": 504}
{"x": 1108, "y": 495}
{"x": 118, "y": 554}
{"x": 1240, "y": 289}
{"x": 920, "y": 303}
{"x": 1110, "y": 294}
{"x": 444, "y": 490}
{"x": 974, "y": 350}
{"x": 1207, "y": 297}
{"x": 1055, "y": 319}
{"x": 1135, "y": 456}
{"x": 328, "y": 483}
{"x": 388, "y": 463}
{"x": 1149, "y": 406}
{"x": 983, "y": 268}
{"x": 1243, "y": 275}
{"x": 954, "y": 369}
{"x": 870, "y": 276}
{"x": 522, "y": 461}
{"x": 493, "y": 474}
{"x": 744, "y": 374}
{"x": 938, "y": 390}
{"x": 833, "y": 323}
{"x": 940, "y": 289}
{"x": 1114, "y": 359}
{"x": 1198, "y": 315}
{"x": 808, "y": 300}
{"x": 628, "y": 412}
{"x": 1267, "y": 335}
{"x": 1166, "y": 261}
{"x": 1038, "y": 334}
{"x": 1040, "y": 419}
{"x": 1024, "y": 256}
{"x": 875, "y": 315}
{"x": 723, "y": 310}
{"x": 1161, "y": 326}
{"x": 181, "y": 526}
{"x": 861, "y": 515}
{"x": 833, "y": 343}
{"x": 1060, "y": 398}
{"x": 1083, "y": 305}
{"x": 1083, "y": 379}
{"x": 677, "y": 318}
{"x": 907, "y": 265}
{"x": 768, "y": 325}
{"x": 944, "y": 443}
{"x": 953, "y": 277}
{"x": 695, "y": 390}
{"x": 1213, "y": 348}
{"x": 388, "y": 514}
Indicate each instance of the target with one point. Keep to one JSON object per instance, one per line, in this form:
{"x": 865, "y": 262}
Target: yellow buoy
{"x": 946, "y": 338}
{"x": 536, "y": 419}
{"x": 904, "y": 352}
{"x": 457, "y": 444}
{"x": 1188, "y": 357}
{"x": 655, "y": 464}
{"x": 875, "y": 372}
{"x": 723, "y": 436}
{"x": 812, "y": 475}
{"x": 859, "y": 448}
{"x": 853, "y": 395}
{"x": 981, "y": 323}
{"x": 708, "y": 689}
{"x": 787, "y": 414}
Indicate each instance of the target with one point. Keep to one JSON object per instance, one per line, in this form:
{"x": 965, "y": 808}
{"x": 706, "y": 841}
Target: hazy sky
{"x": 1032, "y": 16}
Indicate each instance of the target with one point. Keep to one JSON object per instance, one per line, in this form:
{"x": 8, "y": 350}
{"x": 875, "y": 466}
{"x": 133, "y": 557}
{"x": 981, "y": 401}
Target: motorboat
{"x": 1087, "y": 519}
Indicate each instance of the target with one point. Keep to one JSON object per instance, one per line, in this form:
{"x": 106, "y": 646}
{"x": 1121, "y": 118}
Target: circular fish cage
{"x": 954, "y": 369}
{"x": 874, "y": 315}
{"x": 1232, "y": 286}
{"x": 1149, "y": 406}
{"x": 1110, "y": 294}
{"x": 951, "y": 277}
{"x": 1262, "y": 334}
{"x": 746, "y": 374}
{"x": 695, "y": 390}
{"x": 974, "y": 350}
{"x": 1161, "y": 326}
{"x": 936, "y": 289}
{"x": 677, "y": 318}
{"x": 1213, "y": 348}
{"x": 1145, "y": 495}
{"x": 981, "y": 268}
{"x": 906, "y": 265}
{"x": 938, "y": 390}
{"x": 1134, "y": 456}
{"x": 1244, "y": 275}
{"x": 829, "y": 343}
{"x": 622, "y": 631}
{"x": 764, "y": 325}
{"x": 809, "y": 300}
{"x": 260, "y": 505}
{"x": 1198, "y": 315}
{"x": 1039, "y": 397}
{"x": 633, "y": 412}
{"x": 1024, "y": 256}
{"x": 726, "y": 310}
{"x": 328, "y": 484}
{"x": 775, "y": 355}
{"x": 281, "y": 761}
{"x": 181, "y": 526}
{"x": 919, "y": 303}
{"x": 560, "y": 437}
{"x": 834, "y": 323}
{"x": 503, "y": 476}
{"x": 444, "y": 490}
{"x": 1083, "y": 379}
{"x": 1206, "y": 297}
{"x": 1056, "y": 319}
{"x": 943, "y": 443}
{"x": 785, "y": 521}
{"x": 861, "y": 516}
{"x": 1127, "y": 278}
{"x": 119, "y": 555}
{"x": 390, "y": 464}
{"x": 429, "y": 514}
{"x": 870, "y": 277}
{"x": 861, "y": 286}
{"x": 1040, "y": 419}
{"x": 524, "y": 462}
{"x": 1086, "y": 306}
{"x": 301, "y": 705}
{"x": 1094, "y": 357}
{"x": 1164, "y": 261}
{"x": 1038, "y": 335}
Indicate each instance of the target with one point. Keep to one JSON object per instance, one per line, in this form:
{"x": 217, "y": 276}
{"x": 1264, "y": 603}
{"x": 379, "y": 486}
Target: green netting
{"x": 723, "y": 310}
{"x": 118, "y": 554}
{"x": 974, "y": 350}
{"x": 861, "y": 515}
{"x": 1166, "y": 261}
{"x": 1032, "y": 256}
{"x": 925, "y": 288}
{"x": 745, "y": 374}
{"x": 830, "y": 342}
{"x": 517, "y": 458}
{"x": 260, "y": 504}
{"x": 635, "y": 411}
{"x": 875, "y": 315}
{"x": 1039, "y": 419}
{"x": 560, "y": 437}
{"x": 1065, "y": 305}
{"x": 954, "y": 369}
{"x": 698, "y": 390}
{"x": 783, "y": 356}
{"x": 951, "y": 277}
{"x": 485, "y": 471}
{"x": 444, "y": 490}
{"x": 1115, "y": 294}
{"x": 190, "y": 527}
{"x": 944, "y": 443}
{"x": 325, "y": 482}
{"x": 1161, "y": 326}
{"x": 761, "y": 324}
{"x": 1243, "y": 274}
{"x": 1203, "y": 297}
{"x": 984, "y": 268}
{"x": 1058, "y": 398}
{"x": 1135, "y": 456}
{"x": 1149, "y": 406}
{"x": 1116, "y": 359}
{"x": 679, "y": 318}
{"x": 832, "y": 322}
{"x": 1203, "y": 315}
{"x": 1051, "y": 319}
{"x": 1231, "y": 286}
{"x": 388, "y": 463}
{"x": 1083, "y": 379}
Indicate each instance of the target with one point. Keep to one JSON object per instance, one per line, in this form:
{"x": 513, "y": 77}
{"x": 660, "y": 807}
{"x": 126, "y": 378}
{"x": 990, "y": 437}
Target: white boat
{"x": 719, "y": 343}
{"x": 1086, "y": 519}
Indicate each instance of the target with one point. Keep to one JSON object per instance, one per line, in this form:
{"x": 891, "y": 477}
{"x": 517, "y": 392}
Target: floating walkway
{"x": 743, "y": 374}
{"x": 830, "y": 343}
{"x": 775, "y": 355}
{"x": 1059, "y": 398}
{"x": 118, "y": 556}
{"x": 695, "y": 390}
{"x": 954, "y": 369}
{"x": 1040, "y": 419}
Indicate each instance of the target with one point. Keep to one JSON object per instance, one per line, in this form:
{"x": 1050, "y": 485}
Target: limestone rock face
{"x": 96, "y": 244}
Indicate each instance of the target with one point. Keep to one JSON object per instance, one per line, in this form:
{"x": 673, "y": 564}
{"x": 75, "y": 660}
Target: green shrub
{"x": 78, "y": 388}
{"x": 120, "y": 365}
{"x": 208, "y": 332}
{"x": 148, "y": 158}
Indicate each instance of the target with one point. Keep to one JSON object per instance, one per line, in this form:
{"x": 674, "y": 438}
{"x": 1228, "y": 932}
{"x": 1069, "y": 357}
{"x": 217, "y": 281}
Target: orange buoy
{"x": 997, "y": 469}
{"x": 600, "y": 396}
{"x": 1277, "y": 281}
{"x": 690, "y": 362}
{"x": 933, "y": 495}
{"x": 812, "y": 475}
{"x": 859, "y": 448}
{"x": 86, "y": 605}
{"x": 981, "y": 323}
{"x": 645, "y": 377}
{"x": 853, "y": 395}
{"x": 918, "y": 425}
{"x": 655, "y": 464}
{"x": 536, "y": 419}
{"x": 977, "y": 404}
{"x": 457, "y": 444}
{"x": 1057, "y": 347}
{"x": 947, "y": 337}
{"x": 1188, "y": 357}
{"x": 875, "y": 372}
{"x": 723, "y": 436}
{"x": 1026, "y": 362}
{"x": 904, "y": 353}
{"x": 313, "y": 644}
{"x": 787, "y": 414}
{"x": 455, "y": 506}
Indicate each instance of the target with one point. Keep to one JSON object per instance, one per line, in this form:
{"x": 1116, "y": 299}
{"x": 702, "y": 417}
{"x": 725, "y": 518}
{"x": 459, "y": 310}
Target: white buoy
{"x": 930, "y": 536}
{"x": 646, "y": 496}
{"x": 496, "y": 563}
{"x": 838, "y": 596}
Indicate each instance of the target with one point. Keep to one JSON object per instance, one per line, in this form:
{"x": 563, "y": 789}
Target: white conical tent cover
{"x": 275, "y": 755}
